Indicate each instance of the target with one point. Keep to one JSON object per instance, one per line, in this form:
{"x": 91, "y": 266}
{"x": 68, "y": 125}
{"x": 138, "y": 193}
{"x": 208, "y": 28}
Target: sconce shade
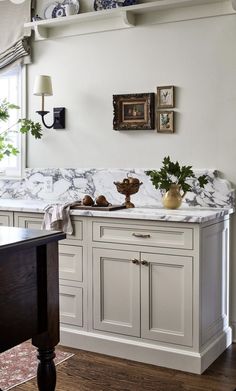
{"x": 43, "y": 85}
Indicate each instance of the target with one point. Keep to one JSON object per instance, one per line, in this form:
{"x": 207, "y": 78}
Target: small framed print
{"x": 133, "y": 111}
{"x": 165, "y": 121}
{"x": 165, "y": 97}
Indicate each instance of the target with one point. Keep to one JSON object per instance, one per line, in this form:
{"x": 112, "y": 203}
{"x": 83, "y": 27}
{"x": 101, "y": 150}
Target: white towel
{"x": 57, "y": 217}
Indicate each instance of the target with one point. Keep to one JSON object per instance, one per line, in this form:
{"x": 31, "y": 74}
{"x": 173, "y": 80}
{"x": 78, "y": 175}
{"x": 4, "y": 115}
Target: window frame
{"x": 19, "y": 171}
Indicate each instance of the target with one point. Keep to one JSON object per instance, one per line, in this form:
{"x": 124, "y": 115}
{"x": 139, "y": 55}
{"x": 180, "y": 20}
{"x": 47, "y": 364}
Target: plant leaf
{"x": 171, "y": 172}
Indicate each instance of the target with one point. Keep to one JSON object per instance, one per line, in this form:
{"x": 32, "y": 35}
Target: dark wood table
{"x": 29, "y": 295}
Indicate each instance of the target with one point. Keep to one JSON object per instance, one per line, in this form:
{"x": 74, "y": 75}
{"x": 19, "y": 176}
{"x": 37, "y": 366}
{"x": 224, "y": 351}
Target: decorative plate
{"x": 57, "y": 9}
{"x": 108, "y": 4}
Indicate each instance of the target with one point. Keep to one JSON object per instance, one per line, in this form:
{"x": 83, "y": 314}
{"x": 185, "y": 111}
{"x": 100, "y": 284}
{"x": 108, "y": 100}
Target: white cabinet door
{"x": 6, "y": 218}
{"x": 116, "y": 291}
{"x": 166, "y": 286}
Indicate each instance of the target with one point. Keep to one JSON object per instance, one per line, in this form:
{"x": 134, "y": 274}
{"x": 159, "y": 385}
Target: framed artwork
{"x": 133, "y": 111}
{"x": 165, "y": 97}
{"x": 165, "y": 121}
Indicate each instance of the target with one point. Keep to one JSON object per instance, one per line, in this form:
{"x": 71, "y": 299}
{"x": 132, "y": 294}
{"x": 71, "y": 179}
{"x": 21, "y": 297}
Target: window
{"x": 11, "y": 90}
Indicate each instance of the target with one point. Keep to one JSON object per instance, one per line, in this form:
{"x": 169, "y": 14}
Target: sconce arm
{"x": 42, "y": 114}
{"x": 58, "y": 115}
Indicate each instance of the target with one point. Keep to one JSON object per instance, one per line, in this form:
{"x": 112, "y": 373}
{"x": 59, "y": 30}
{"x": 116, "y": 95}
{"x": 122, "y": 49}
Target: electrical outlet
{"x": 48, "y": 184}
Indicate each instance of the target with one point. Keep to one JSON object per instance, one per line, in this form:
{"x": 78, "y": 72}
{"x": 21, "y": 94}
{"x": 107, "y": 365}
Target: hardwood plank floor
{"x": 87, "y": 371}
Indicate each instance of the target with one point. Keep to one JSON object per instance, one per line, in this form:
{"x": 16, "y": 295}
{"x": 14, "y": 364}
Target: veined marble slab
{"x": 19, "y": 205}
{"x": 185, "y": 215}
{"x": 72, "y": 184}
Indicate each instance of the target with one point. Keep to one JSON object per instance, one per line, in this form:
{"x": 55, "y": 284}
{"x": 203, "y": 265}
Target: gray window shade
{"x": 14, "y": 42}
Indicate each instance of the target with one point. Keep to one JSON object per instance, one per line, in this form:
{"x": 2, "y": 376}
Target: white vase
{"x": 69, "y": 9}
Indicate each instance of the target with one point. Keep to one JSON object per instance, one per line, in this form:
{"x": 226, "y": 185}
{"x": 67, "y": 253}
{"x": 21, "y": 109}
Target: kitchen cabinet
{"x": 154, "y": 291}
{"x": 72, "y": 274}
{"x": 151, "y": 291}
{"x": 160, "y": 286}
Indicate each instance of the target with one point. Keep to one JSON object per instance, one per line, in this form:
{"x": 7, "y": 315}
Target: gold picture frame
{"x": 165, "y": 121}
{"x": 165, "y": 97}
{"x": 133, "y": 111}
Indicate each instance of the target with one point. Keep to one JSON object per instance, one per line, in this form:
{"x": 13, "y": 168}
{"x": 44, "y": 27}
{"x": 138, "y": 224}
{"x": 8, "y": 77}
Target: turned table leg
{"x": 46, "y": 374}
{"x": 48, "y": 315}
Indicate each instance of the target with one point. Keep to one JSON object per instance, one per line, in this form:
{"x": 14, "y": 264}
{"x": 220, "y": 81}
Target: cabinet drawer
{"x": 6, "y": 219}
{"x": 28, "y": 220}
{"x": 71, "y": 262}
{"x": 71, "y": 305}
{"x": 34, "y": 221}
{"x": 159, "y": 236}
{"x": 77, "y": 232}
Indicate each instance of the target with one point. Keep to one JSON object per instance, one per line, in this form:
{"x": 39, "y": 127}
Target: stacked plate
{"x": 108, "y": 4}
{"x": 59, "y": 9}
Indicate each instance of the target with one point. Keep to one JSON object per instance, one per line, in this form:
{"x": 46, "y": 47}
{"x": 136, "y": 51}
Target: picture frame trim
{"x": 165, "y": 130}
{"x": 161, "y": 105}
{"x": 134, "y": 111}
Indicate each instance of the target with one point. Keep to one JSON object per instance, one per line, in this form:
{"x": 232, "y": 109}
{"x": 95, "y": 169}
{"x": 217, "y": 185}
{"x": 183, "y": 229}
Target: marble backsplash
{"x": 72, "y": 184}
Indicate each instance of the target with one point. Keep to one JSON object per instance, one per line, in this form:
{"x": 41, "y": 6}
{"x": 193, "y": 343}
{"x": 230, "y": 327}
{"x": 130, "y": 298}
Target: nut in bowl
{"x": 128, "y": 186}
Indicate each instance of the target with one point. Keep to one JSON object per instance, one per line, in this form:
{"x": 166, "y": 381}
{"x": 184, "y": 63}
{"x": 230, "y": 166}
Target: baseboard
{"x": 214, "y": 350}
{"x": 233, "y": 325}
{"x": 180, "y": 359}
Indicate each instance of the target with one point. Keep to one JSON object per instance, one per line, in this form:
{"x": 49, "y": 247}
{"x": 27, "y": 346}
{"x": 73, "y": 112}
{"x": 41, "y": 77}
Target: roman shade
{"x": 14, "y": 40}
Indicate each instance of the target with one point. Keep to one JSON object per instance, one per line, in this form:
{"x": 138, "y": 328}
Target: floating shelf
{"x": 156, "y": 12}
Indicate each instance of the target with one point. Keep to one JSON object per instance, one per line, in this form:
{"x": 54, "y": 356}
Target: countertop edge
{"x": 187, "y": 215}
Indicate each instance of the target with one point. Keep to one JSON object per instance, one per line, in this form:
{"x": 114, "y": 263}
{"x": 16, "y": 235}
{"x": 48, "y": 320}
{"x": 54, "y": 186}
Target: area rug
{"x": 19, "y": 364}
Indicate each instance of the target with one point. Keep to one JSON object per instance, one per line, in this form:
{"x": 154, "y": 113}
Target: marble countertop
{"x": 155, "y": 213}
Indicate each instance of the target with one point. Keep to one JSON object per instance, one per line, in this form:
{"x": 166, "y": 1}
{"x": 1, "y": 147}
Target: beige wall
{"x": 198, "y": 57}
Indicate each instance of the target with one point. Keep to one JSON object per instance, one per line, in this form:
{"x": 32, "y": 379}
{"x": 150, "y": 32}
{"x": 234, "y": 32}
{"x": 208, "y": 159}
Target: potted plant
{"x": 7, "y": 147}
{"x": 175, "y": 180}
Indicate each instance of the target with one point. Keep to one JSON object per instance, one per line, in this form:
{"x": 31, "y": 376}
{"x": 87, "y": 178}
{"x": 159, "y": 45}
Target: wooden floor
{"x": 87, "y": 371}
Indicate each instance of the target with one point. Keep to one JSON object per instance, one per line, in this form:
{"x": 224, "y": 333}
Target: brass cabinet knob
{"x": 145, "y": 263}
{"x": 135, "y": 261}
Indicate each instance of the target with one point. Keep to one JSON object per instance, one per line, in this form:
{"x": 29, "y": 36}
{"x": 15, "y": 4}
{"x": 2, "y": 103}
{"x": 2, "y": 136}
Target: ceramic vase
{"x": 172, "y": 198}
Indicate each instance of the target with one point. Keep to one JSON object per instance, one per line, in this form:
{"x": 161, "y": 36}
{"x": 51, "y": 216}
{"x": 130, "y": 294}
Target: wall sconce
{"x": 43, "y": 87}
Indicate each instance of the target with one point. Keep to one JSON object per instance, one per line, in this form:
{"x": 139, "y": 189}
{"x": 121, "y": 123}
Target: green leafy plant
{"x": 7, "y": 148}
{"x": 172, "y": 173}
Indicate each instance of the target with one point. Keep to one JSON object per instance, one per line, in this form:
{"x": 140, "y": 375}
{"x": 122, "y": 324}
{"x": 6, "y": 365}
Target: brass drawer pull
{"x": 135, "y": 261}
{"x": 145, "y": 263}
{"x": 144, "y": 236}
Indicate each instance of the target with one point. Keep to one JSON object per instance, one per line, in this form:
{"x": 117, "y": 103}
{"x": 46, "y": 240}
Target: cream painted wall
{"x": 198, "y": 57}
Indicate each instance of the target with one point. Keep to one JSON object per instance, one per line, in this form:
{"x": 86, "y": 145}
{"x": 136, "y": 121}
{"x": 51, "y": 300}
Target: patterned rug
{"x": 19, "y": 364}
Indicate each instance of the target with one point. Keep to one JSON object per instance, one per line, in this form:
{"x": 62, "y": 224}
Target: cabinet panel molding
{"x": 28, "y": 220}
{"x": 214, "y": 280}
{"x": 6, "y": 218}
{"x": 116, "y": 291}
{"x": 71, "y": 262}
{"x": 34, "y": 221}
{"x": 71, "y": 305}
{"x": 166, "y": 282}
{"x": 144, "y": 235}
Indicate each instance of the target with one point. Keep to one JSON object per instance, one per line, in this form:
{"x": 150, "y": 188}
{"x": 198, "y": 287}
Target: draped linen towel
{"x": 57, "y": 217}
{"x": 14, "y": 39}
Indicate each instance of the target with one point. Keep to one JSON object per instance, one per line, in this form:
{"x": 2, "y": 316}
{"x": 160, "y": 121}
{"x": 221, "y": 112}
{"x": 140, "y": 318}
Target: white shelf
{"x": 156, "y": 12}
